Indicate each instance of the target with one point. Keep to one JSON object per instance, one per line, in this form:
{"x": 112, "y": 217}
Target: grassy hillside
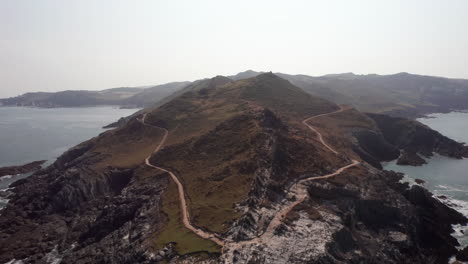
{"x": 218, "y": 130}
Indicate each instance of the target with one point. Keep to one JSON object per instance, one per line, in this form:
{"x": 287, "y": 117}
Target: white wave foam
{"x": 452, "y": 260}
{"x": 407, "y": 179}
{"x": 450, "y": 188}
{"x": 457, "y": 204}
{"x": 460, "y": 232}
{"x": 461, "y": 206}
{"x": 5, "y": 177}
{"x": 3, "y": 200}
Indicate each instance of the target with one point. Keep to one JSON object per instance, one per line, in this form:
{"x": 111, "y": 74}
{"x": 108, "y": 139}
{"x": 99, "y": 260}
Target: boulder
{"x": 462, "y": 255}
{"x": 410, "y": 158}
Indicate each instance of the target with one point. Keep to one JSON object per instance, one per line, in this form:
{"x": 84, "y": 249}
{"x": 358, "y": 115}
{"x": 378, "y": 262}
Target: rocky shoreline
{"x": 25, "y": 168}
{"x": 404, "y": 140}
{"x": 410, "y": 158}
{"x": 76, "y": 213}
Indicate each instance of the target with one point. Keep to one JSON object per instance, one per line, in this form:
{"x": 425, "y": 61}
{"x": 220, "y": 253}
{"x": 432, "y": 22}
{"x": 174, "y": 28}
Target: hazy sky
{"x": 51, "y": 45}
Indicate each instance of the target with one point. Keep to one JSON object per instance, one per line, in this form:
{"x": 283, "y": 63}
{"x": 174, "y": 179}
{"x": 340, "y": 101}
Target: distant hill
{"x": 244, "y": 75}
{"x": 150, "y": 96}
{"x": 125, "y": 97}
{"x": 401, "y": 94}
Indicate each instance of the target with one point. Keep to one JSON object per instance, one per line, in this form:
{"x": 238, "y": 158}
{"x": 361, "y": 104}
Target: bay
{"x": 30, "y": 134}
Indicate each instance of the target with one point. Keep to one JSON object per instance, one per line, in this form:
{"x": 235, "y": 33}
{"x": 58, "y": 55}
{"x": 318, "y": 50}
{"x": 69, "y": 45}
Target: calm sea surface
{"x": 444, "y": 176}
{"x": 30, "y": 134}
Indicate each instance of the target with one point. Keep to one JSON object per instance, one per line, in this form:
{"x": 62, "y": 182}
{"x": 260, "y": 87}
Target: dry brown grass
{"x": 126, "y": 147}
{"x": 201, "y": 164}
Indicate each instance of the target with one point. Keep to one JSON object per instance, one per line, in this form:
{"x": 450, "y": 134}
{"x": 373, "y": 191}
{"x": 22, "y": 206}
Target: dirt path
{"x": 180, "y": 189}
{"x": 299, "y": 190}
{"x": 319, "y": 135}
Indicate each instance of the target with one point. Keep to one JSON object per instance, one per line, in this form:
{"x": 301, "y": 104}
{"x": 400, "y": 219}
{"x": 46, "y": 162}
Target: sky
{"x": 53, "y": 45}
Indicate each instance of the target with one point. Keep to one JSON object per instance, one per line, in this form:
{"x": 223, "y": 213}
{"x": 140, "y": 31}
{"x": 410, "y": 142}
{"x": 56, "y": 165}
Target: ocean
{"x": 444, "y": 176}
{"x": 30, "y": 134}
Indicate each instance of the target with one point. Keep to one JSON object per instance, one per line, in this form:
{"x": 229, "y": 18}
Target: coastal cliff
{"x": 239, "y": 150}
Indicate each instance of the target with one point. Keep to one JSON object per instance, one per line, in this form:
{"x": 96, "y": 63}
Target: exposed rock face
{"x": 465, "y": 151}
{"x": 385, "y": 137}
{"x": 79, "y": 213}
{"x": 410, "y": 158}
{"x": 372, "y": 147}
{"x": 119, "y": 123}
{"x": 462, "y": 255}
{"x": 415, "y": 137}
{"x": 422, "y": 182}
{"x": 360, "y": 219}
{"x": 88, "y": 216}
{"x": 29, "y": 167}
{"x": 238, "y": 149}
{"x": 435, "y": 220}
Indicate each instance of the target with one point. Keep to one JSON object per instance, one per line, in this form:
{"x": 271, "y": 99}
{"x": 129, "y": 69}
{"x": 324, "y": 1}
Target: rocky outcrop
{"x": 370, "y": 218}
{"x": 373, "y": 148}
{"x": 86, "y": 216}
{"x": 29, "y": 167}
{"x": 435, "y": 222}
{"x": 119, "y": 123}
{"x": 462, "y": 255}
{"x": 385, "y": 137}
{"x": 410, "y": 158}
{"x": 71, "y": 156}
{"x": 78, "y": 213}
{"x": 415, "y": 137}
{"x": 405, "y": 222}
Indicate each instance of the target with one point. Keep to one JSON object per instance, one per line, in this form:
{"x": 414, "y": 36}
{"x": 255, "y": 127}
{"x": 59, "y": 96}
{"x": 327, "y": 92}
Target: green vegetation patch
{"x": 174, "y": 231}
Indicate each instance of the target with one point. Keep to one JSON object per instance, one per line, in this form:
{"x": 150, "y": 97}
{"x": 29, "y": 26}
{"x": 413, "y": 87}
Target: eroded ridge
{"x": 299, "y": 191}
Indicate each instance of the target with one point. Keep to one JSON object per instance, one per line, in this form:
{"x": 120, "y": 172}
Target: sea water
{"x": 30, "y": 134}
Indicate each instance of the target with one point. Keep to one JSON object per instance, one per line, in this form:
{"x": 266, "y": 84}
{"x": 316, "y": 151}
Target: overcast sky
{"x": 51, "y": 45}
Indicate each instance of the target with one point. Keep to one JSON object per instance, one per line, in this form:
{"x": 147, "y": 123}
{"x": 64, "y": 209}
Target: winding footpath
{"x": 180, "y": 189}
{"x": 299, "y": 191}
{"x": 319, "y": 135}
